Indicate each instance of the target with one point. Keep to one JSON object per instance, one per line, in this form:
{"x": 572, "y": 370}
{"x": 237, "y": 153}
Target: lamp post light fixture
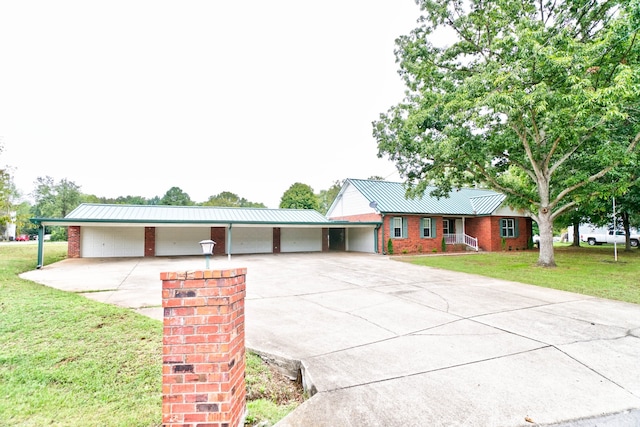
{"x": 207, "y": 249}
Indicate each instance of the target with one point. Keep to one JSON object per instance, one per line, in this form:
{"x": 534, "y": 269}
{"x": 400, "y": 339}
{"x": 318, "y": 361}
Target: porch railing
{"x": 460, "y": 238}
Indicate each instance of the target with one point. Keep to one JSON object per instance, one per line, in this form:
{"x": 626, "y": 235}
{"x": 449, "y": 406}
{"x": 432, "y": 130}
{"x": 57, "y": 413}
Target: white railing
{"x": 452, "y": 239}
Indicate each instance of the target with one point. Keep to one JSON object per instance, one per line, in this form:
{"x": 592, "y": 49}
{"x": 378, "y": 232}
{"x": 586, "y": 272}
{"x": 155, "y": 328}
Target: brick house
{"x": 469, "y": 219}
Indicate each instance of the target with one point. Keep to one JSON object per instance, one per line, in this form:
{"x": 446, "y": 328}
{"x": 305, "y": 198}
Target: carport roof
{"x": 161, "y": 214}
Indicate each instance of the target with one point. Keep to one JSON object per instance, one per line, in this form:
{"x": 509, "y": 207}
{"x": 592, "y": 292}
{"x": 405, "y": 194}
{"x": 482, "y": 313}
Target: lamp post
{"x": 207, "y": 249}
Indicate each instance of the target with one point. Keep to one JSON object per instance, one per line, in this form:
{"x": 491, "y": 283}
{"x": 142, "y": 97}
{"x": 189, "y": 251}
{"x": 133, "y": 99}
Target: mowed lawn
{"x": 589, "y": 270}
{"x": 66, "y": 360}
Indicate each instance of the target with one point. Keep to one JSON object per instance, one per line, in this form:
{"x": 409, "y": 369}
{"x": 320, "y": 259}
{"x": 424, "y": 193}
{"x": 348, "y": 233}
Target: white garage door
{"x": 301, "y": 240}
{"x": 98, "y": 242}
{"x": 361, "y": 240}
{"x": 251, "y": 240}
{"x": 172, "y": 241}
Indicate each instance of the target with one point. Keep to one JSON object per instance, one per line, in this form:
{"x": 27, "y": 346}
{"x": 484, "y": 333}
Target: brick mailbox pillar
{"x": 203, "y": 348}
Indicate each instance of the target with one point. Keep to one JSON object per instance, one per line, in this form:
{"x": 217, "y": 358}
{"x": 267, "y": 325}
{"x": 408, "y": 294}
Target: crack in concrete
{"x": 596, "y": 372}
{"x": 414, "y": 374}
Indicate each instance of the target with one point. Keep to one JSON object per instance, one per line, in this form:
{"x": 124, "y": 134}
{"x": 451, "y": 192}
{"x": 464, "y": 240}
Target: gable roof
{"x": 162, "y": 214}
{"x": 390, "y": 197}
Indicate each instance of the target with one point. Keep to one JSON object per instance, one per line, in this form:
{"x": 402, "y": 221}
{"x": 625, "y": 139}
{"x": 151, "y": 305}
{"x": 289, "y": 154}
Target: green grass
{"x": 585, "y": 270}
{"x": 270, "y": 395}
{"x": 66, "y": 360}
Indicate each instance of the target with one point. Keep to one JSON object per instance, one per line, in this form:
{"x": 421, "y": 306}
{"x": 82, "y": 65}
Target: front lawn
{"x": 589, "y": 270}
{"x": 66, "y": 360}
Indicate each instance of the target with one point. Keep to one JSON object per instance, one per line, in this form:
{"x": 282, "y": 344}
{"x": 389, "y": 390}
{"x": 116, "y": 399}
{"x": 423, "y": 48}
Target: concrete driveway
{"x": 385, "y": 343}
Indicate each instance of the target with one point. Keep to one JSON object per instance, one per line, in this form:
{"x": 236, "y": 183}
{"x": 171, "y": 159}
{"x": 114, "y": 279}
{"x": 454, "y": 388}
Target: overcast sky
{"x": 135, "y": 97}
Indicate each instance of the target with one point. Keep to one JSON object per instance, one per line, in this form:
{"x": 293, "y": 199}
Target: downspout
{"x": 383, "y": 243}
{"x": 375, "y": 238}
{"x": 229, "y": 243}
{"x": 40, "y": 246}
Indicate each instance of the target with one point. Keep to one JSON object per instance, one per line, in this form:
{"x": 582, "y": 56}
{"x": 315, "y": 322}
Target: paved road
{"x": 384, "y": 343}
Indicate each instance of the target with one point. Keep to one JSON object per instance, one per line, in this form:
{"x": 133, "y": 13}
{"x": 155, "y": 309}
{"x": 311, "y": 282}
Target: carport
{"x": 104, "y": 231}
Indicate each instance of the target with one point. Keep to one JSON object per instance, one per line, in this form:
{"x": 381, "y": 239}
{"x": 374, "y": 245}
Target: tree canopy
{"x": 536, "y": 99}
{"x": 299, "y": 196}
{"x": 229, "y": 199}
{"x": 326, "y": 197}
{"x": 176, "y": 197}
{"x": 55, "y": 199}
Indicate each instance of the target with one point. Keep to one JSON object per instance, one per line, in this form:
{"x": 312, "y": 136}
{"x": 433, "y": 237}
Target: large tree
{"x": 326, "y": 197}
{"x": 537, "y": 99}
{"x": 229, "y": 199}
{"x": 55, "y": 199}
{"x": 299, "y": 196}
{"x": 176, "y": 197}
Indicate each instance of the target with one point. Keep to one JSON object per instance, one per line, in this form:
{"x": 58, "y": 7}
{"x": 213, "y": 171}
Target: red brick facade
{"x": 203, "y": 348}
{"x": 486, "y": 229}
{"x": 73, "y": 241}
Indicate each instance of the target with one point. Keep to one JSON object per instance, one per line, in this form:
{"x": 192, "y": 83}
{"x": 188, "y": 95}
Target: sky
{"x": 135, "y": 97}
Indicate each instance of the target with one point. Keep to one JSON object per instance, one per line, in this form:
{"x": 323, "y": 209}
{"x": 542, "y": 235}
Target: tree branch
{"x": 598, "y": 175}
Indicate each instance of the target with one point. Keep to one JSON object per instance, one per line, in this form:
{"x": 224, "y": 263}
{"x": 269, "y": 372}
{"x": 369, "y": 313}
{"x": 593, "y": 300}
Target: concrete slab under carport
{"x": 389, "y": 343}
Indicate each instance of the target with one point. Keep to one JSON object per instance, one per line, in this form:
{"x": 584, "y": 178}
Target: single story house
{"x": 365, "y": 216}
{"x": 469, "y": 218}
{"x": 105, "y": 230}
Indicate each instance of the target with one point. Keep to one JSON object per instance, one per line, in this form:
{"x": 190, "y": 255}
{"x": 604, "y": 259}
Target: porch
{"x": 454, "y": 233}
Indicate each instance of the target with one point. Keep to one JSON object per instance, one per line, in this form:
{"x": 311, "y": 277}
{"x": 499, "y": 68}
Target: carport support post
{"x": 40, "y": 246}
{"x": 203, "y": 348}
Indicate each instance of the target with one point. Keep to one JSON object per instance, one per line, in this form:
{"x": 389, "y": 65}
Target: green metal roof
{"x": 390, "y": 197}
{"x": 161, "y": 214}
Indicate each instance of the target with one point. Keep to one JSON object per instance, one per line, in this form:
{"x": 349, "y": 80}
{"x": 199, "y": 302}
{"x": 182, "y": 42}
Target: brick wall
{"x": 482, "y": 229}
{"x": 413, "y": 243}
{"x": 149, "y": 241}
{"x": 203, "y": 348}
{"x": 370, "y": 217}
{"x": 485, "y": 229}
{"x": 73, "y": 241}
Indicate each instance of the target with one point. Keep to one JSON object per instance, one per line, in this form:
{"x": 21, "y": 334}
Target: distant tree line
{"x": 57, "y": 198}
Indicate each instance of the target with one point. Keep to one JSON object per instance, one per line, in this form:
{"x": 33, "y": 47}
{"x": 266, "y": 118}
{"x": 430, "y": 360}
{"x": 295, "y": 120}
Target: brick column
{"x": 203, "y": 348}
{"x": 219, "y": 235}
{"x": 276, "y": 239}
{"x": 73, "y": 241}
{"x": 149, "y": 241}
{"x": 325, "y": 239}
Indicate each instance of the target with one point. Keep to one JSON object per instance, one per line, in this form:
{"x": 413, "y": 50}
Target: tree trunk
{"x": 546, "y": 257}
{"x": 576, "y": 234}
{"x": 626, "y": 226}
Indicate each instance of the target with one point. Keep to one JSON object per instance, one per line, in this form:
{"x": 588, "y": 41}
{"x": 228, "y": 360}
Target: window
{"x": 396, "y": 226}
{"x": 428, "y": 227}
{"x": 508, "y": 227}
{"x": 399, "y": 227}
{"x": 448, "y": 226}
